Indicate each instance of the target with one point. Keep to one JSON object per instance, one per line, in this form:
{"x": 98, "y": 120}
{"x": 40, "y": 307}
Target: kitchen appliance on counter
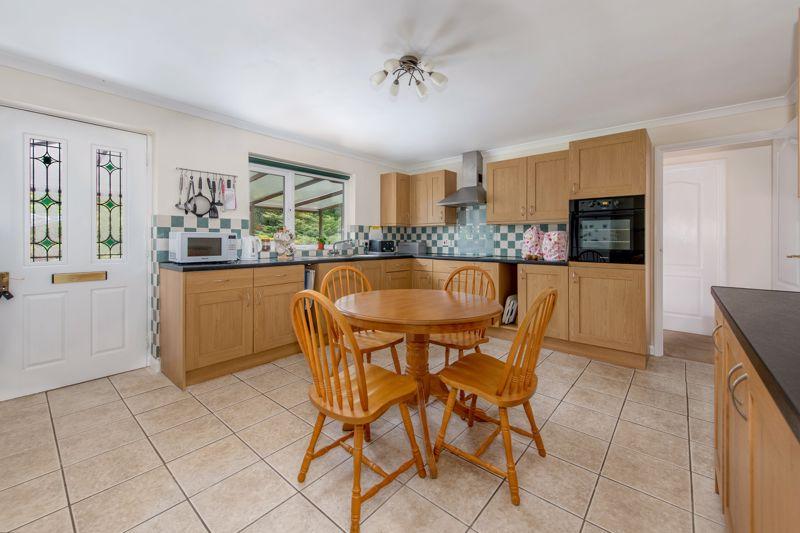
{"x": 381, "y": 247}
{"x": 202, "y": 247}
{"x": 251, "y": 248}
{"x": 415, "y": 248}
{"x": 607, "y": 230}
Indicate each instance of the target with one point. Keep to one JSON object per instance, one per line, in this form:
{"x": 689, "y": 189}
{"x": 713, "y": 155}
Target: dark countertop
{"x": 767, "y": 325}
{"x": 197, "y": 267}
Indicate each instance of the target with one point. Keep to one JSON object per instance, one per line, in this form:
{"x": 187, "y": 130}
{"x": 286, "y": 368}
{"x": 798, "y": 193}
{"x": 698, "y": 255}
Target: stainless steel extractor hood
{"x": 473, "y": 192}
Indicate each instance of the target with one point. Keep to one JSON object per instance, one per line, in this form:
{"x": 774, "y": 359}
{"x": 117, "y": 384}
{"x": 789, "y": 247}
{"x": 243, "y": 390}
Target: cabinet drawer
{"x": 396, "y": 265}
{"x": 277, "y": 275}
{"x": 217, "y": 280}
{"x": 444, "y": 266}
{"x": 422, "y": 265}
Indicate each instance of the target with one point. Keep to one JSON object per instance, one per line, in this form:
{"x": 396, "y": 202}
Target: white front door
{"x": 693, "y": 244}
{"x": 786, "y": 215}
{"x": 74, "y": 199}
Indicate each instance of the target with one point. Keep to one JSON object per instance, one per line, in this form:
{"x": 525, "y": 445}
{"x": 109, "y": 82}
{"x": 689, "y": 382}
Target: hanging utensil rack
{"x": 207, "y": 172}
{"x": 208, "y": 175}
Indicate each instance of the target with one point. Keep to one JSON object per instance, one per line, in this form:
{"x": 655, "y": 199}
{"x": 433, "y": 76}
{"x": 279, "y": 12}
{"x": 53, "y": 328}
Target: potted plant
{"x": 321, "y": 242}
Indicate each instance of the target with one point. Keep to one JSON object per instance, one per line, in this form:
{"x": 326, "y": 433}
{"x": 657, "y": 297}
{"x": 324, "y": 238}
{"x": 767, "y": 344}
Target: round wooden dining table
{"x": 418, "y": 313}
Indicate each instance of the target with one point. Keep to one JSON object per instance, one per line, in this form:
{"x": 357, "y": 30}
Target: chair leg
{"x": 411, "y": 440}
{"x": 355, "y": 500}
{"x": 512, "y": 469}
{"x": 369, "y": 357}
{"x": 460, "y": 354}
{"x": 537, "y": 437}
{"x": 301, "y": 477}
{"x": 446, "y": 356}
{"x": 472, "y": 405}
{"x": 461, "y": 395}
{"x": 367, "y": 433}
{"x": 448, "y": 410}
{"x": 478, "y": 348}
{"x": 395, "y": 359}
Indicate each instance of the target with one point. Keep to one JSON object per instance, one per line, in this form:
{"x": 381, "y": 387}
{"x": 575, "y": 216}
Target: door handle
{"x": 5, "y": 291}
{"x": 793, "y": 256}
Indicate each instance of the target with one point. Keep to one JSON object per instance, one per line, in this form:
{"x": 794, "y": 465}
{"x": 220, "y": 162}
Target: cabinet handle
{"x": 221, "y": 280}
{"x": 714, "y": 336}
{"x": 736, "y": 402}
{"x": 522, "y": 211}
{"x": 247, "y": 299}
{"x": 793, "y": 256}
{"x": 574, "y": 278}
{"x": 573, "y": 187}
{"x": 530, "y": 210}
{"x": 733, "y": 369}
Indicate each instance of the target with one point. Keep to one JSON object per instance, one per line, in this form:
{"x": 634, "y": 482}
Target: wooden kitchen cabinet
{"x": 221, "y": 321}
{"x": 421, "y": 280}
{"x": 736, "y": 497}
{"x": 612, "y": 165}
{"x": 219, "y": 326}
{"x": 506, "y": 187}
{"x": 426, "y": 190}
{"x": 531, "y": 280}
{"x": 397, "y": 280}
{"x": 373, "y": 270}
{"x": 395, "y": 199}
{"x": 547, "y": 187}
{"x": 607, "y": 306}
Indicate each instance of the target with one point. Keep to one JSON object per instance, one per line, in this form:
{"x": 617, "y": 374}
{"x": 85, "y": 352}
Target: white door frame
{"x": 786, "y": 135}
{"x": 657, "y": 334}
{"x": 148, "y": 358}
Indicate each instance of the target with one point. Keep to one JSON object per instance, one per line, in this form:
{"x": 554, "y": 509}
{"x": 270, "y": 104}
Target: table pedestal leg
{"x": 417, "y": 368}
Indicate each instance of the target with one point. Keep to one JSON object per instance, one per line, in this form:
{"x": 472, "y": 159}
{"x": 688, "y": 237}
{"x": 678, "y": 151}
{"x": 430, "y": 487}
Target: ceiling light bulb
{"x": 378, "y": 77}
{"x": 390, "y": 65}
{"x": 395, "y": 88}
{"x": 422, "y": 89}
{"x": 438, "y": 78}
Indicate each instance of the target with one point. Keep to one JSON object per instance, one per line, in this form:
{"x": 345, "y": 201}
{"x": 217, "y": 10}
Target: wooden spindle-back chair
{"x": 347, "y": 389}
{"x": 504, "y": 384}
{"x": 471, "y": 280}
{"x": 345, "y": 280}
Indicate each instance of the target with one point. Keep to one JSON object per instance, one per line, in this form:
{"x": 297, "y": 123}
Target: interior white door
{"x": 693, "y": 243}
{"x": 74, "y": 199}
{"x": 786, "y": 214}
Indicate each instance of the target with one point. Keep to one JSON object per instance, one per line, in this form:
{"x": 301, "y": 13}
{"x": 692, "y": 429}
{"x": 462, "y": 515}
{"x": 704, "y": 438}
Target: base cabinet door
{"x": 373, "y": 270}
{"x": 219, "y": 326}
{"x": 531, "y": 280}
{"x": 438, "y": 280}
{"x": 397, "y": 280}
{"x": 607, "y": 307}
{"x": 736, "y": 501}
{"x": 272, "y": 322}
{"x": 421, "y": 280}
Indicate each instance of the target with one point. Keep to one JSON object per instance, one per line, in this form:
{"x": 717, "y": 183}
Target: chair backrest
{"x": 472, "y": 280}
{"x": 520, "y": 370}
{"x": 323, "y": 333}
{"x": 344, "y": 280}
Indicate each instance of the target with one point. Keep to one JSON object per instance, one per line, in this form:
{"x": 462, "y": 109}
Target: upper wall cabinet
{"x": 426, "y": 190}
{"x": 528, "y": 189}
{"x": 506, "y": 186}
{"x": 395, "y": 205}
{"x": 612, "y": 165}
{"x": 547, "y": 187}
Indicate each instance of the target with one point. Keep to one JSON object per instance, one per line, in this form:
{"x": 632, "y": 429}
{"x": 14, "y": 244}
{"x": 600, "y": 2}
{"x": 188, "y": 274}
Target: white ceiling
{"x": 519, "y": 70}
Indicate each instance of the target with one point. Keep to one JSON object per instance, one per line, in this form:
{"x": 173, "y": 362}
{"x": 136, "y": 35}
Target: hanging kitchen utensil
{"x": 202, "y": 204}
{"x": 212, "y": 210}
{"x": 188, "y": 205}
{"x": 229, "y": 196}
{"x": 218, "y": 189}
{"x": 179, "y": 203}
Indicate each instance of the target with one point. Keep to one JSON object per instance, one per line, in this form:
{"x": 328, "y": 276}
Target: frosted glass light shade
{"x": 390, "y": 65}
{"x": 422, "y": 89}
{"x": 438, "y": 78}
{"x": 395, "y": 88}
{"x": 378, "y": 77}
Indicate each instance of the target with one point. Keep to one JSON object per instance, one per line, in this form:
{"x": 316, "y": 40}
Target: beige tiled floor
{"x": 627, "y": 452}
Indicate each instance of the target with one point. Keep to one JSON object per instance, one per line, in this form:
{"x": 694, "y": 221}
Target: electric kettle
{"x": 251, "y": 248}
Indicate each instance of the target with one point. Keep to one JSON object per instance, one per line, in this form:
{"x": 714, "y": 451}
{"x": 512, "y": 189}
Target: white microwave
{"x": 202, "y": 247}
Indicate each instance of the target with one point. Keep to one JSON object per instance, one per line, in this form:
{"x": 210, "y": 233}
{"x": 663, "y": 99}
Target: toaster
{"x": 414, "y": 248}
{"x": 381, "y": 247}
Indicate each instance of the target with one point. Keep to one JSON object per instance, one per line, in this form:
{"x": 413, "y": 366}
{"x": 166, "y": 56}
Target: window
{"x": 108, "y": 198}
{"x": 305, "y": 200}
{"x": 45, "y": 201}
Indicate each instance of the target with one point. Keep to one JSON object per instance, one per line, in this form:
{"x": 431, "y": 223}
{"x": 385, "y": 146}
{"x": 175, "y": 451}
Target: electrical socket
{"x": 446, "y": 242}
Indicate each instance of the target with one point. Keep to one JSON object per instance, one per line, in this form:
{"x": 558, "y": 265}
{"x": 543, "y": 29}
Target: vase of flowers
{"x": 284, "y": 243}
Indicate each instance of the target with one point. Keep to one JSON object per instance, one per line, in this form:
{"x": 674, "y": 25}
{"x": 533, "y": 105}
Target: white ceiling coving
{"x": 519, "y": 70}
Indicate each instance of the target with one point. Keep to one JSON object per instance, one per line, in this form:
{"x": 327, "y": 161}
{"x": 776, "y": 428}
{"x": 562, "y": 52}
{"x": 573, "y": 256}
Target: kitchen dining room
{"x": 412, "y": 296}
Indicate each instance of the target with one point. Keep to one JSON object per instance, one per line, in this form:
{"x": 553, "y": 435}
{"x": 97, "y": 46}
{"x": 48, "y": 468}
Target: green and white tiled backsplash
{"x": 470, "y": 235}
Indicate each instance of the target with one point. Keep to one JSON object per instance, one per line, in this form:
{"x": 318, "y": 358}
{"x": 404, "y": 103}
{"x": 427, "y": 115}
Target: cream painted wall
{"x": 179, "y": 139}
{"x": 748, "y": 205}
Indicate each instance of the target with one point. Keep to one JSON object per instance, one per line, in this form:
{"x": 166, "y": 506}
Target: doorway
{"x": 73, "y": 230}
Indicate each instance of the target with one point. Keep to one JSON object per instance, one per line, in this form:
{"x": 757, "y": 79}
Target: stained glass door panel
{"x": 108, "y": 199}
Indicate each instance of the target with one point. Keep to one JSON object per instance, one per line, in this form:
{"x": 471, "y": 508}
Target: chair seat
{"x": 462, "y": 340}
{"x": 480, "y": 374}
{"x": 372, "y": 341}
{"x": 384, "y": 389}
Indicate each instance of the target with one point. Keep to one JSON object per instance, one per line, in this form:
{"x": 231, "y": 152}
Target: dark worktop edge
{"x": 261, "y": 263}
{"x": 789, "y": 410}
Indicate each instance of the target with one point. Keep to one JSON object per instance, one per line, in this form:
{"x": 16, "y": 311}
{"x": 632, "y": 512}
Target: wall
{"x": 179, "y": 139}
{"x": 748, "y": 207}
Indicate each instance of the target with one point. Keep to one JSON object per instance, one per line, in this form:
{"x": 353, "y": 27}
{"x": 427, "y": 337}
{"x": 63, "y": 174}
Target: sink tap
{"x": 345, "y": 245}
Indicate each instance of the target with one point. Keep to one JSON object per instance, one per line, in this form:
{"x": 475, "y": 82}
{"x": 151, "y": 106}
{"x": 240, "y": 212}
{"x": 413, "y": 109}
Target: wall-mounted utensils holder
{"x": 221, "y": 192}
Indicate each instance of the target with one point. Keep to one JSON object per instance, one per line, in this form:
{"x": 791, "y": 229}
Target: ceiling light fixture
{"x": 410, "y": 66}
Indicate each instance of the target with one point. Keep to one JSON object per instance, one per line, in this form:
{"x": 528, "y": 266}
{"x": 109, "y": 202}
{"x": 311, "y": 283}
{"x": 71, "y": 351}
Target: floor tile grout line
{"x": 61, "y": 465}
{"x": 689, "y": 444}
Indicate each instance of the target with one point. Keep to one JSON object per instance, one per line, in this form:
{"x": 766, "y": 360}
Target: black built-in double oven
{"x": 607, "y": 230}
